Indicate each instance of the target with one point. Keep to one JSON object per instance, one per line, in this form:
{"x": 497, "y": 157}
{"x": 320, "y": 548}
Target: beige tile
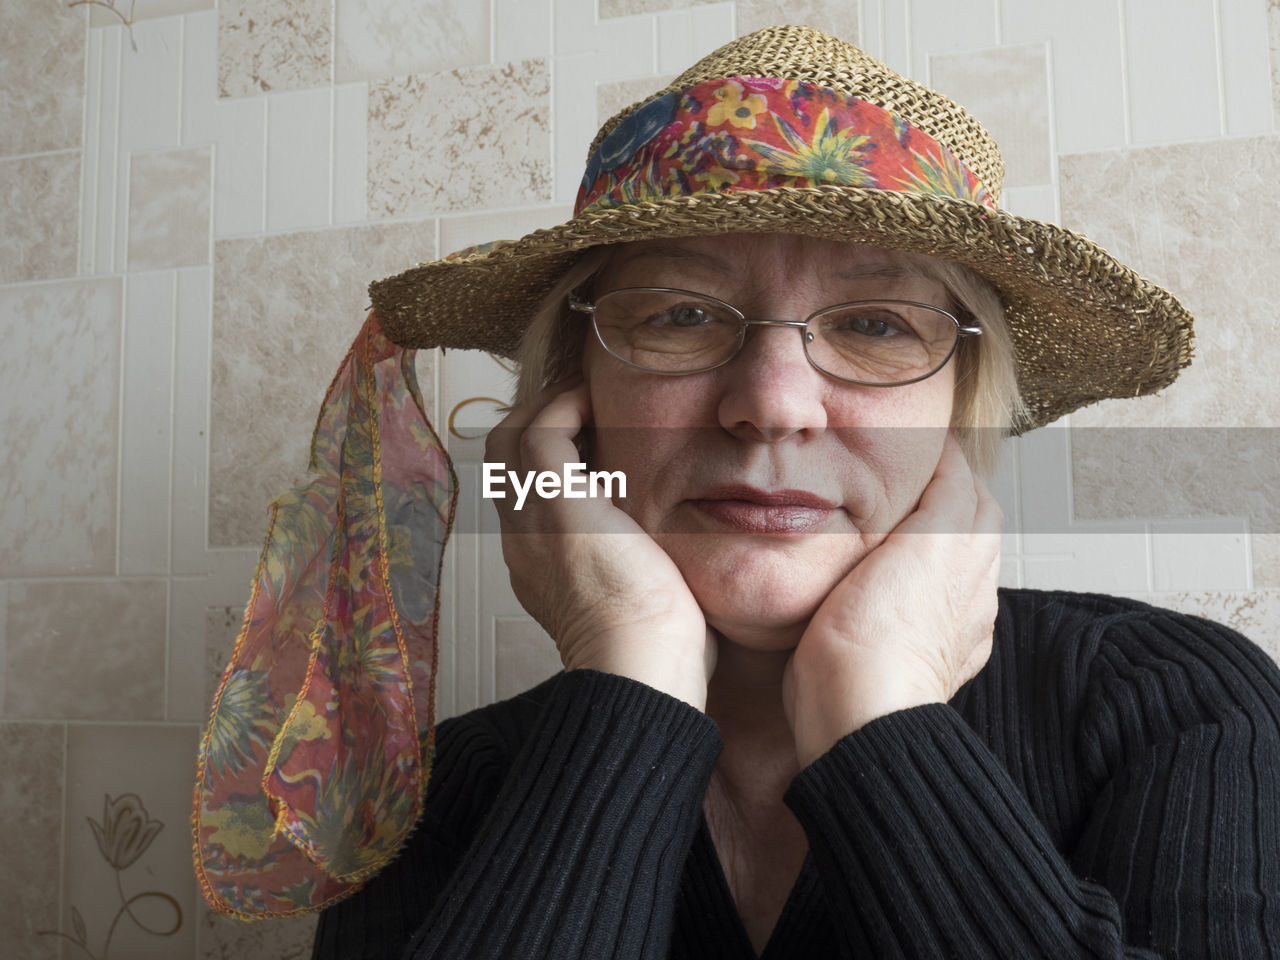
{"x": 394, "y": 38}
{"x": 59, "y": 380}
{"x": 523, "y": 654}
{"x": 613, "y": 98}
{"x": 31, "y": 755}
{"x": 625, "y": 8}
{"x": 836, "y": 17}
{"x": 1007, "y": 89}
{"x": 136, "y": 10}
{"x": 266, "y": 45}
{"x": 226, "y": 938}
{"x": 169, "y": 201}
{"x": 1254, "y": 613}
{"x": 1188, "y": 216}
{"x": 42, "y": 78}
{"x": 1177, "y": 472}
{"x": 85, "y": 650}
{"x": 285, "y": 309}
{"x": 425, "y": 155}
{"x": 1265, "y": 548}
{"x": 145, "y": 771}
{"x": 40, "y": 208}
{"x": 222, "y": 626}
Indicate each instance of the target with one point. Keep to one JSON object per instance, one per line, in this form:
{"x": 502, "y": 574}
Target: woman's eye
{"x": 683, "y": 316}
{"x": 877, "y": 325}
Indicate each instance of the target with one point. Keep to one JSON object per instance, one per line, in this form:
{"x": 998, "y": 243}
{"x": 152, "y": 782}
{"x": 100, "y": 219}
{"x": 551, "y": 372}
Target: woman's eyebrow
{"x": 678, "y": 254}
{"x": 880, "y": 271}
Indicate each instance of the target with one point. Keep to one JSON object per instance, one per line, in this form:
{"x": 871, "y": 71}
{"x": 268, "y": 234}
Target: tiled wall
{"x": 194, "y": 204}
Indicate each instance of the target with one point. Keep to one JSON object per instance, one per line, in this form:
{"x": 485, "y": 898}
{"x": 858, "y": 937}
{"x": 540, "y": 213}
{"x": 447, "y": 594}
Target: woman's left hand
{"x": 910, "y": 623}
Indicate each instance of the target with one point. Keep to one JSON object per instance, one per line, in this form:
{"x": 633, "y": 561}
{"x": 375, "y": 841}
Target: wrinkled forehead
{"x": 767, "y": 259}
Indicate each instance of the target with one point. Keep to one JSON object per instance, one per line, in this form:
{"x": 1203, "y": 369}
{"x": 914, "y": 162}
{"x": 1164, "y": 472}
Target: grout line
{"x": 1149, "y": 535}
{"x": 1054, "y": 168}
{"x": 1124, "y": 75}
{"x": 1220, "y": 64}
{"x": 493, "y": 31}
{"x": 124, "y": 337}
{"x": 999, "y": 11}
{"x": 175, "y": 322}
{"x": 1248, "y": 553}
{"x": 266, "y": 159}
{"x": 182, "y": 69}
{"x": 907, "y": 39}
{"x": 62, "y": 832}
{"x": 114, "y": 197}
{"x": 333, "y": 151}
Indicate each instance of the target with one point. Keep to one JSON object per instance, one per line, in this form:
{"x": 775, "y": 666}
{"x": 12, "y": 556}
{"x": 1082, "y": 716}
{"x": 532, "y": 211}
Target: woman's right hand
{"x": 607, "y": 594}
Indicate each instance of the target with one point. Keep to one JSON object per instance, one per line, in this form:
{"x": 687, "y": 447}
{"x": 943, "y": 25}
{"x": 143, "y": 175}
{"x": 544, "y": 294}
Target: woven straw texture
{"x": 1085, "y": 327}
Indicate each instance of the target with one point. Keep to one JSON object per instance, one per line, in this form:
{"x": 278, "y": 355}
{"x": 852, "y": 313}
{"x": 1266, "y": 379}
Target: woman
{"x": 794, "y": 719}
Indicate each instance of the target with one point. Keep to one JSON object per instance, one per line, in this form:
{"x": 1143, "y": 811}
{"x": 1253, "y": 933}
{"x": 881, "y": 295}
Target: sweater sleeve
{"x": 928, "y": 848}
{"x": 580, "y": 849}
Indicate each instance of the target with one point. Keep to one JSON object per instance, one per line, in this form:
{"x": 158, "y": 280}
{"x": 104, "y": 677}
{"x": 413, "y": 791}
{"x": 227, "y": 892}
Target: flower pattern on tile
{"x": 39, "y": 206}
{"x": 315, "y": 760}
{"x": 800, "y": 135}
{"x": 123, "y": 837}
{"x": 425, "y": 154}
{"x": 266, "y": 45}
{"x": 42, "y": 76}
{"x": 170, "y": 196}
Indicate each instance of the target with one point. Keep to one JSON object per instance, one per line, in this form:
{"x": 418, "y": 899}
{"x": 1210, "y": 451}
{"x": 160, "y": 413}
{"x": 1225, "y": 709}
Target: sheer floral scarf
{"x": 315, "y": 761}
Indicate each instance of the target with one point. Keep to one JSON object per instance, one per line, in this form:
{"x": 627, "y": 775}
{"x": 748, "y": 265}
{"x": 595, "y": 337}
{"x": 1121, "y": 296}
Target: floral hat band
{"x": 757, "y": 133}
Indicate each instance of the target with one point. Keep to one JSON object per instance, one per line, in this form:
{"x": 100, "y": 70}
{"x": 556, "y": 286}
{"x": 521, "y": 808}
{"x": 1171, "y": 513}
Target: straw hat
{"x": 789, "y": 130}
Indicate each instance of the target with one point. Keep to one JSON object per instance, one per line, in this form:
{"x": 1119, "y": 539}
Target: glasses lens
{"x": 666, "y": 330}
{"x": 881, "y": 341}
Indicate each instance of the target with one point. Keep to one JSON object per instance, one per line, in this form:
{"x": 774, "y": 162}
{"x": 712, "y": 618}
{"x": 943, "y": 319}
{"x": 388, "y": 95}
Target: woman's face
{"x": 764, "y": 479}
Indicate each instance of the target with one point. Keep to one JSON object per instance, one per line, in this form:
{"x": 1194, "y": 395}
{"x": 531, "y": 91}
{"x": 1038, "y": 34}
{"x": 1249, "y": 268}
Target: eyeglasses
{"x": 875, "y": 343}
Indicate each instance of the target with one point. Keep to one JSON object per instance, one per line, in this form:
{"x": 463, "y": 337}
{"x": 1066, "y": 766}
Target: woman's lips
{"x": 749, "y": 510}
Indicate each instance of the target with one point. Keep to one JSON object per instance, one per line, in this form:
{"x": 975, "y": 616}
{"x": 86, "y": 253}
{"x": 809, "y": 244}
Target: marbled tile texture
{"x": 467, "y": 139}
{"x": 40, "y": 210}
{"x": 31, "y": 811}
{"x": 266, "y": 45}
{"x": 59, "y": 383}
{"x": 390, "y": 38}
{"x": 1190, "y": 217}
{"x": 837, "y": 17}
{"x": 226, "y": 938}
{"x": 101, "y": 643}
{"x": 41, "y": 78}
{"x": 612, "y": 98}
{"x": 285, "y": 310}
{"x": 170, "y": 195}
{"x": 1007, "y": 89}
{"x": 1256, "y": 614}
{"x": 221, "y": 627}
{"x": 625, "y": 8}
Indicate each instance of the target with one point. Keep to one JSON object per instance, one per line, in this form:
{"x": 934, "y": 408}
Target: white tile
{"x": 4, "y": 657}
{"x": 394, "y": 38}
{"x": 895, "y": 29}
{"x": 712, "y": 27}
{"x": 945, "y": 26}
{"x": 523, "y": 655}
{"x": 149, "y": 87}
{"x": 227, "y": 586}
{"x": 470, "y": 383}
{"x": 91, "y": 139}
{"x": 100, "y": 16}
{"x": 1210, "y": 553}
{"x": 239, "y": 162}
{"x": 574, "y": 26}
{"x": 108, "y": 204}
{"x": 1044, "y": 481}
{"x": 350, "y": 152}
{"x": 1038, "y": 203}
{"x": 298, "y": 158}
{"x": 624, "y": 48}
{"x": 1246, "y": 66}
{"x": 1172, "y": 70}
{"x": 190, "y": 471}
{"x": 675, "y": 43}
{"x": 521, "y": 30}
{"x": 871, "y": 27}
{"x": 1085, "y": 64}
{"x": 1091, "y": 560}
{"x": 574, "y": 125}
{"x": 199, "y": 76}
{"x": 146, "y": 425}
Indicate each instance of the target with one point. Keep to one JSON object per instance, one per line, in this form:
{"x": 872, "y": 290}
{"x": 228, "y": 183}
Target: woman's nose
{"x": 771, "y": 391}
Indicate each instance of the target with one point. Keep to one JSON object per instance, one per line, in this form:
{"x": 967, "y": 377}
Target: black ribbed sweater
{"x": 1107, "y": 786}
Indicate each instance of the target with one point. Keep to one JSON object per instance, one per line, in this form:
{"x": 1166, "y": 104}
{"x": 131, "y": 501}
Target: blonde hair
{"x": 987, "y": 402}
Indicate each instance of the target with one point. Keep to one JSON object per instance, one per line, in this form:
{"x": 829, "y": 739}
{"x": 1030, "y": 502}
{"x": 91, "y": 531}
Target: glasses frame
{"x": 589, "y": 307}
